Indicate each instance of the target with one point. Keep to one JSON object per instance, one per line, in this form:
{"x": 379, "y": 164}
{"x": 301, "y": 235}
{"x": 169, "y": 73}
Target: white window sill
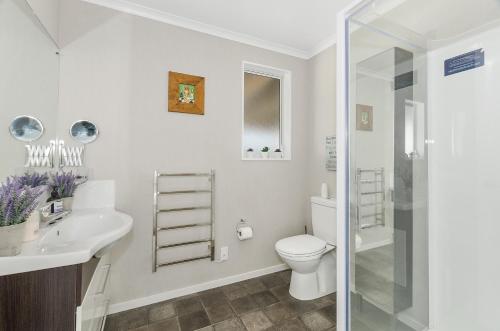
{"x": 259, "y": 157}
{"x": 253, "y": 159}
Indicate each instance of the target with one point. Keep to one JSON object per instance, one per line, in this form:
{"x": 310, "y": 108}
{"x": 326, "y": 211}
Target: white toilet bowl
{"x": 313, "y": 266}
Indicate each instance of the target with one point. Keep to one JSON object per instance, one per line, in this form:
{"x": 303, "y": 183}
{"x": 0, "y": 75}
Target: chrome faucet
{"x": 48, "y": 216}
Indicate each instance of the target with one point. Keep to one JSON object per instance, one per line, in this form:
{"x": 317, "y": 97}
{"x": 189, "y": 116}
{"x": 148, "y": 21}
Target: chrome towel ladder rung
{"x": 185, "y": 243}
{"x": 194, "y": 174}
{"x": 171, "y": 210}
{"x": 371, "y": 193}
{"x": 184, "y": 192}
{"x": 156, "y": 229}
{"x": 184, "y": 261}
{"x": 176, "y": 227}
{"x": 370, "y": 184}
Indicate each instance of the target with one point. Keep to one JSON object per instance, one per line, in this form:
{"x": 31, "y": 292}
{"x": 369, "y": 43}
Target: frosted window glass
{"x": 262, "y": 112}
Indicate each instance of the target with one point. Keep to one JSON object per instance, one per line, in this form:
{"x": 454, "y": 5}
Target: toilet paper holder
{"x": 242, "y": 224}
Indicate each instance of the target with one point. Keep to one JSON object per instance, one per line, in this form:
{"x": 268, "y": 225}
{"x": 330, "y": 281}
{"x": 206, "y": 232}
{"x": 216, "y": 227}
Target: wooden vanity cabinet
{"x": 66, "y": 298}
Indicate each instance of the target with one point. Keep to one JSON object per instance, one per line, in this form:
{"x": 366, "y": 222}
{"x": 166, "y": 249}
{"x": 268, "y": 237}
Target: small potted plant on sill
{"x": 33, "y": 180}
{"x": 277, "y": 154}
{"x": 17, "y": 203}
{"x": 249, "y": 153}
{"x": 62, "y": 187}
{"x": 264, "y": 152}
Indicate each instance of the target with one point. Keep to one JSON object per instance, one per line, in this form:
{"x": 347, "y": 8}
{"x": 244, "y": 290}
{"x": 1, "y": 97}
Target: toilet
{"x": 312, "y": 258}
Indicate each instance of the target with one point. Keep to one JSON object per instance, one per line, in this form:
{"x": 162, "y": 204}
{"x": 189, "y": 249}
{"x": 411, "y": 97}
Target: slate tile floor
{"x": 257, "y": 304}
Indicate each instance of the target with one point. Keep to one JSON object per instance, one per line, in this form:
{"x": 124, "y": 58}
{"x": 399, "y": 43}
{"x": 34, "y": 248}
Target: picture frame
{"x": 186, "y": 93}
{"x": 364, "y": 117}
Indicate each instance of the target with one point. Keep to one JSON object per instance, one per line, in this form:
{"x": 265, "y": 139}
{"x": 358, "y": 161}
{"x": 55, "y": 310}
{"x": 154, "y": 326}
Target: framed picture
{"x": 364, "y": 118}
{"x": 186, "y": 93}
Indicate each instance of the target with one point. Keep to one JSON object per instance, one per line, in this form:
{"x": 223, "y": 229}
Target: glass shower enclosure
{"x": 388, "y": 182}
{"x": 410, "y": 100}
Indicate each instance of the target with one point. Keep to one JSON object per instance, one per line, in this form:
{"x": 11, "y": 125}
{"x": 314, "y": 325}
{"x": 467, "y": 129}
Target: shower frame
{"x": 344, "y": 174}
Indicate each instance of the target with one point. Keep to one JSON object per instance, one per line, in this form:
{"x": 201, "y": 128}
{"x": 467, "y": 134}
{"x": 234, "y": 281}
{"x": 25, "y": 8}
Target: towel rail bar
{"x": 157, "y": 211}
{"x": 371, "y": 193}
{"x": 371, "y": 215}
{"x": 194, "y": 242}
{"x": 185, "y": 226}
{"x": 166, "y": 174}
{"x": 171, "y": 210}
{"x": 184, "y": 192}
{"x": 370, "y": 197}
{"x": 183, "y": 261}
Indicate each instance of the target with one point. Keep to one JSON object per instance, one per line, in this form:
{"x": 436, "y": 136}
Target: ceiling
{"x": 437, "y": 20}
{"x": 301, "y": 28}
{"x": 445, "y": 18}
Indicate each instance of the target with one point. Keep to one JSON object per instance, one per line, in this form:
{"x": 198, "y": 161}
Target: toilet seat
{"x": 301, "y": 246}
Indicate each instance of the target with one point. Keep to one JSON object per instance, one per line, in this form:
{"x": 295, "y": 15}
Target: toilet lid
{"x": 301, "y": 245}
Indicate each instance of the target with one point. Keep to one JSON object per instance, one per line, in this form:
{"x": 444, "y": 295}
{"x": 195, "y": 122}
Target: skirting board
{"x": 411, "y": 322}
{"x": 145, "y": 301}
{"x": 374, "y": 245}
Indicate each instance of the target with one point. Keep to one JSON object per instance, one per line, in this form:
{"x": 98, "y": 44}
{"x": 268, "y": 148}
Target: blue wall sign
{"x": 464, "y": 62}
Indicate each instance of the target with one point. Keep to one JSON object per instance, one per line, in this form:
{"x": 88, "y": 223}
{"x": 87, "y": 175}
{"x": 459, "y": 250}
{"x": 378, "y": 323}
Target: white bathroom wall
{"x": 322, "y": 99}
{"x": 47, "y": 12}
{"x": 114, "y": 71}
{"x": 375, "y": 149}
{"x": 464, "y": 188}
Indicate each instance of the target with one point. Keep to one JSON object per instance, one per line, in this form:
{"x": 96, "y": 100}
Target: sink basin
{"x": 85, "y": 229}
{"x": 75, "y": 239}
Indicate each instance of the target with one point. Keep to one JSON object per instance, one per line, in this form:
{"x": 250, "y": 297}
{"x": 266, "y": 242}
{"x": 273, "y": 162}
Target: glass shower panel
{"x": 388, "y": 178}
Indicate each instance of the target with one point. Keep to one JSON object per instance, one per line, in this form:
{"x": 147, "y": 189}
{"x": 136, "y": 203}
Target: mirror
{"x": 29, "y": 83}
{"x": 26, "y": 128}
{"x": 84, "y": 131}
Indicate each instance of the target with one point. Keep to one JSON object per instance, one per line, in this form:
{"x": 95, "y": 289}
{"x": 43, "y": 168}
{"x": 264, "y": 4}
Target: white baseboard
{"x": 377, "y": 244}
{"x": 140, "y": 302}
{"x": 411, "y": 322}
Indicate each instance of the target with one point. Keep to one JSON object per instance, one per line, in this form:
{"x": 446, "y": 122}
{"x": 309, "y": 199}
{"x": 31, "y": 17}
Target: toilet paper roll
{"x": 245, "y": 233}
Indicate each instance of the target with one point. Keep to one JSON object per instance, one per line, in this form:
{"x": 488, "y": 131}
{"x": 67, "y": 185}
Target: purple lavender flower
{"x": 63, "y": 185}
{"x": 34, "y": 179}
{"x": 17, "y": 201}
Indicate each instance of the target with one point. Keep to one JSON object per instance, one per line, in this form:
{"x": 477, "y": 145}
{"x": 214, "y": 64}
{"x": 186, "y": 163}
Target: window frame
{"x": 285, "y": 78}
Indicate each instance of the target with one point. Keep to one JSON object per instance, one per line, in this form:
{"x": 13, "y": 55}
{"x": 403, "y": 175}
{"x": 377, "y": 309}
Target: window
{"x": 266, "y": 113}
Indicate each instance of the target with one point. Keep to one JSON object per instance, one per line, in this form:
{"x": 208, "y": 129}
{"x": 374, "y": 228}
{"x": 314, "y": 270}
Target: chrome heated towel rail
{"x": 370, "y": 197}
{"x": 157, "y": 211}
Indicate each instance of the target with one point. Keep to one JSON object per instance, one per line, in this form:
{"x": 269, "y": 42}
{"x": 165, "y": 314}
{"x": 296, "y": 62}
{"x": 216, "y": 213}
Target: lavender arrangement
{"x": 17, "y": 201}
{"x": 33, "y": 180}
{"x": 63, "y": 185}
